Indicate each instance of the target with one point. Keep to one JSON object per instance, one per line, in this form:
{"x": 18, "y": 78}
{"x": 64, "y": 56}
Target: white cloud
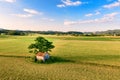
{"x": 31, "y": 11}
{"x": 70, "y": 23}
{"x": 111, "y": 15}
{"x": 10, "y": 1}
{"x": 89, "y": 15}
{"x": 23, "y": 15}
{"x": 69, "y": 3}
{"x": 61, "y": 5}
{"x": 115, "y": 4}
{"x": 28, "y": 13}
{"x": 92, "y": 14}
{"x": 97, "y": 13}
{"x": 105, "y": 18}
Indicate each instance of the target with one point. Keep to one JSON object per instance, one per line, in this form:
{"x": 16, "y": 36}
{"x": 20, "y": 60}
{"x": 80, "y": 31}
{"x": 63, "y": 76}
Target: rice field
{"x": 75, "y": 58}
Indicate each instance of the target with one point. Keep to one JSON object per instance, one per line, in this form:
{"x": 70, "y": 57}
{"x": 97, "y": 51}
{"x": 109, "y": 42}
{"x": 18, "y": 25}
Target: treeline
{"x": 22, "y": 33}
{"x": 72, "y": 33}
{"x": 12, "y": 32}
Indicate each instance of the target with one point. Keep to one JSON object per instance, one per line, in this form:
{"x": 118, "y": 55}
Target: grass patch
{"x": 22, "y": 69}
{"x": 73, "y": 58}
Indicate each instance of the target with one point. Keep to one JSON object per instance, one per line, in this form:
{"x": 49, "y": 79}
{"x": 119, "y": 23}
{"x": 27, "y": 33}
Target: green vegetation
{"x": 41, "y": 45}
{"x": 58, "y": 33}
{"x": 73, "y": 58}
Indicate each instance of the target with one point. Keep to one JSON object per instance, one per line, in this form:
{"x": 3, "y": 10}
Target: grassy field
{"x": 76, "y": 58}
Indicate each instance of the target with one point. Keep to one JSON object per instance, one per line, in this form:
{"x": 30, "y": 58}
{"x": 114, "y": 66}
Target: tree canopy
{"x": 41, "y": 45}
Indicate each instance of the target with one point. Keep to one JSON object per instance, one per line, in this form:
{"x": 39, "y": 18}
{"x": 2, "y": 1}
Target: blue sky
{"x": 60, "y": 15}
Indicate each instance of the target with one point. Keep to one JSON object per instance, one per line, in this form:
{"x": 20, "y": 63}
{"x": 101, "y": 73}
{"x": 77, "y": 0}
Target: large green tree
{"x": 41, "y": 45}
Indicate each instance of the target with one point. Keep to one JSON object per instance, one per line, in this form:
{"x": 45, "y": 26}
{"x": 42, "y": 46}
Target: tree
{"x": 41, "y": 45}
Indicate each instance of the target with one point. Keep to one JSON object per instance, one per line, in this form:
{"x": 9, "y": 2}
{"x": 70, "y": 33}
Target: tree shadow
{"x": 55, "y": 59}
{"x": 52, "y": 59}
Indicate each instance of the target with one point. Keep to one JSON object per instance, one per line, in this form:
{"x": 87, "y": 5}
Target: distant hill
{"x": 73, "y": 33}
{"x": 109, "y": 32}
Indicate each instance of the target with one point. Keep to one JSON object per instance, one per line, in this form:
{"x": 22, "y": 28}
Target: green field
{"x": 75, "y": 58}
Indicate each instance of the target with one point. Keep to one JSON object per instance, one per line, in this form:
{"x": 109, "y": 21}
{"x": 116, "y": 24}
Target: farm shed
{"x": 43, "y": 56}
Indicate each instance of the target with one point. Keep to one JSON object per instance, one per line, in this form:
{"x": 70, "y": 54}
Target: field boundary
{"x": 100, "y": 65}
{"x": 15, "y": 56}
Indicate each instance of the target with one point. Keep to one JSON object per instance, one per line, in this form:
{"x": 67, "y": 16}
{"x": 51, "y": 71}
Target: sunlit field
{"x": 76, "y": 58}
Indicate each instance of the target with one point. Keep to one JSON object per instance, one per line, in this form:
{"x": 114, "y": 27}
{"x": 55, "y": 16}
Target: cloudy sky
{"x": 60, "y": 15}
